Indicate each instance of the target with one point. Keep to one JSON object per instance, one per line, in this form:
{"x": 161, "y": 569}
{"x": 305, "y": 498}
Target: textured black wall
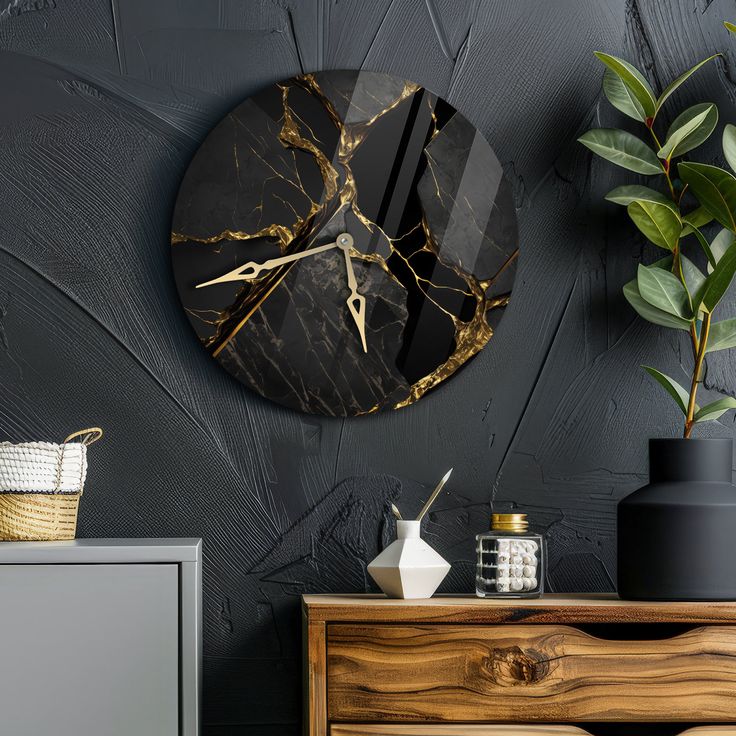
{"x": 101, "y": 107}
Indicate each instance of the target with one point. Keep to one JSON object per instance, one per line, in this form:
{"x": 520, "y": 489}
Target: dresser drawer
{"x": 518, "y": 673}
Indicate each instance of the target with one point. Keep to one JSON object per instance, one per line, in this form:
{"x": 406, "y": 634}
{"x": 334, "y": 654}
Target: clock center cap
{"x": 345, "y": 241}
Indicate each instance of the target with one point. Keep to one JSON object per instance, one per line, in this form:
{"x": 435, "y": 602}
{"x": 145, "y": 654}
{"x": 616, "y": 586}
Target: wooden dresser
{"x": 561, "y": 665}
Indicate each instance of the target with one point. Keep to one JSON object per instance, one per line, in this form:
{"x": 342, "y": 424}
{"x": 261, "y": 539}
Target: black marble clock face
{"x": 343, "y": 242}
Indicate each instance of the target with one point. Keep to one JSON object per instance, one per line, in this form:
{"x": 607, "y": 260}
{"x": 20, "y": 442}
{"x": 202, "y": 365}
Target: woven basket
{"x": 40, "y": 487}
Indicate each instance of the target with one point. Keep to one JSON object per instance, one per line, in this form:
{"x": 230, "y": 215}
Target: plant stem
{"x": 676, "y": 261}
{"x": 689, "y": 419}
{"x": 694, "y": 339}
{"x": 669, "y": 181}
{"x": 654, "y": 135}
{"x": 698, "y": 347}
{"x": 677, "y": 271}
{"x": 665, "y": 165}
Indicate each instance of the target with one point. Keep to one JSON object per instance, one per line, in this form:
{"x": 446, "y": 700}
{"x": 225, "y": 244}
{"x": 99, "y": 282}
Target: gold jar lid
{"x": 509, "y": 522}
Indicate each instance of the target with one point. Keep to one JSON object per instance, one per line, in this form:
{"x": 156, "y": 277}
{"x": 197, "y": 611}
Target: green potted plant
{"x": 675, "y": 535}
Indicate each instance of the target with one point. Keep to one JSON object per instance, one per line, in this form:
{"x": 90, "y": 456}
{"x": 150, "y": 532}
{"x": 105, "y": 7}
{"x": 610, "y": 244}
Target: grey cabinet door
{"x": 89, "y": 650}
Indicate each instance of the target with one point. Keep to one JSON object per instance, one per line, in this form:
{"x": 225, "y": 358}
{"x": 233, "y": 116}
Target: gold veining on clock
{"x": 281, "y": 233}
{"x": 338, "y": 199}
{"x": 291, "y": 136}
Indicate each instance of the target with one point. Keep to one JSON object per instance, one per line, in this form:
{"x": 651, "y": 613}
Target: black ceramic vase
{"x": 677, "y": 535}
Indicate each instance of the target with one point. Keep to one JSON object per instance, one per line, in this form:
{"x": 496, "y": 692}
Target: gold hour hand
{"x": 249, "y": 271}
{"x": 356, "y": 301}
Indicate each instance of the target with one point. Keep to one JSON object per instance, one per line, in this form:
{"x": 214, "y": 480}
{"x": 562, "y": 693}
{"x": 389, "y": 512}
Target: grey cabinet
{"x": 100, "y": 638}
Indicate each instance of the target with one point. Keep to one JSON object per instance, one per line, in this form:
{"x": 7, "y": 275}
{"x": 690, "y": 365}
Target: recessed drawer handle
{"x": 636, "y": 632}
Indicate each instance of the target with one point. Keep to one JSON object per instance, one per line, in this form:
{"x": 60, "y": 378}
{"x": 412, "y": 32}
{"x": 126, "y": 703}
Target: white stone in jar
{"x": 516, "y": 571}
{"x": 503, "y": 545}
{"x": 503, "y": 585}
{"x": 503, "y": 559}
{"x": 514, "y": 549}
{"x": 516, "y": 585}
{"x": 529, "y": 571}
{"x": 528, "y": 559}
{"x": 516, "y": 560}
{"x": 529, "y": 583}
{"x": 503, "y": 571}
{"x": 533, "y": 546}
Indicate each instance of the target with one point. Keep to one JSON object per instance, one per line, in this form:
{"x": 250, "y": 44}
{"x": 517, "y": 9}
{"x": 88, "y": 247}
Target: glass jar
{"x": 510, "y": 559}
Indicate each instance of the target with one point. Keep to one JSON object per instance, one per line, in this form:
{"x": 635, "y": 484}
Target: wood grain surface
{"x": 465, "y": 729}
{"x": 530, "y": 673}
{"x": 315, "y": 677}
{"x": 580, "y": 608}
{"x": 103, "y": 106}
{"x": 457, "y": 730}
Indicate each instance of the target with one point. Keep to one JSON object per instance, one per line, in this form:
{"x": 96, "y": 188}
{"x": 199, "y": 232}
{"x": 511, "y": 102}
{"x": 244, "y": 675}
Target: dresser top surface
{"x": 552, "y": 608}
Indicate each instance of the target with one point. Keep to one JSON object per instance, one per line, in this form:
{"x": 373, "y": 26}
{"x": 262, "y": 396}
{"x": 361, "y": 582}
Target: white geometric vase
{"x": 408, "y": 567}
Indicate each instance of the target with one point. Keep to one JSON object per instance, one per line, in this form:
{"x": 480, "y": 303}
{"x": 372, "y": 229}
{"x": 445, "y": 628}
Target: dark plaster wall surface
{"x": 102, "y": 105}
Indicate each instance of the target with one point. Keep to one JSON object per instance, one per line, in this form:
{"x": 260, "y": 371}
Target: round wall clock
{"x": 343, "y": 242}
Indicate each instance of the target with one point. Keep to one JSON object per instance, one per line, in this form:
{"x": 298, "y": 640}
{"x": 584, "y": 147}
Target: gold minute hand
{"x": 356, "y": 301}
{"x": 250, "y": 270}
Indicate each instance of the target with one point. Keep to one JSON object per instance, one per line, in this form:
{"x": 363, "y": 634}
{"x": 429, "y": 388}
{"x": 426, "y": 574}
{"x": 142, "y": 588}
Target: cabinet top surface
{"x": 101, "y": 551}
{"x": 553, "y": 608}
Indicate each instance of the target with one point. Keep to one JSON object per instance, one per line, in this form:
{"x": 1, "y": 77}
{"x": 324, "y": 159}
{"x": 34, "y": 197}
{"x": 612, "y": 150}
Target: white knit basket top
{"x": 42, "y": 467}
